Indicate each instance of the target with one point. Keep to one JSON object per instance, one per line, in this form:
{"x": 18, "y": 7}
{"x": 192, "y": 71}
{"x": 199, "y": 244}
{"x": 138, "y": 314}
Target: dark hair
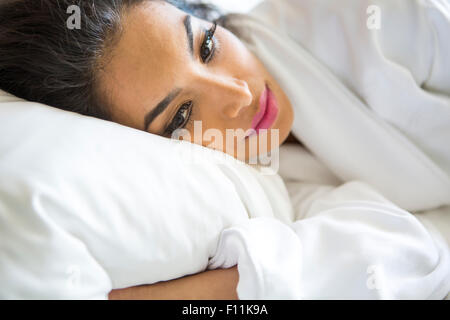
{"x": 42, "y": 60}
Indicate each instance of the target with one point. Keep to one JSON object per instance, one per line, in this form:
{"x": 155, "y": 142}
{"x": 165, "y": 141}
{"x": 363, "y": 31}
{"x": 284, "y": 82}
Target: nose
{"x": 229, "y": 93}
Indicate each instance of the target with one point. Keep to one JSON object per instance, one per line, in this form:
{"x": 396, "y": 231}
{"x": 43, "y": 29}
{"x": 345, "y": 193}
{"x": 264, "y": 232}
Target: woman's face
{"x": 163, "y": 74}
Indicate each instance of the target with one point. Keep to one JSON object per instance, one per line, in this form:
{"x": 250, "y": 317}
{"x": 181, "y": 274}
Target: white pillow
{"x": 87, "y": 205}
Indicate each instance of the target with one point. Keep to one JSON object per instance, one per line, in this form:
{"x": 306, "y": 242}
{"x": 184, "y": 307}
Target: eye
{"x": 208, "y": 46}
{"x": 181, "y": 118}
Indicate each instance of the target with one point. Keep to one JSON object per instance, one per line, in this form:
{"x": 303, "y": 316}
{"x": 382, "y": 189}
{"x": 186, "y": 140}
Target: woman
{"x": 147, "y": 65}
{"x": 153, "y": 66}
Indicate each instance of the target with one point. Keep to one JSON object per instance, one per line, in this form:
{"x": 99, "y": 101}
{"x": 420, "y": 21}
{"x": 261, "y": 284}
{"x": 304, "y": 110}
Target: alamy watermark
{"x": 74, "y": 20}
{"x": 73, "y": 273}
{"x": 374, "y": 18}
{"x": 375, "y": 277}
{"x": 252, "y": 150}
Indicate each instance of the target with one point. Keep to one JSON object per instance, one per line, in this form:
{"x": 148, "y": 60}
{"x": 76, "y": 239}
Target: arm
{"x": 219, "y": 284}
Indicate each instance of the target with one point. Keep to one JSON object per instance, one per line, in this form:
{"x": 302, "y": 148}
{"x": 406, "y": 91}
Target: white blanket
{"x": 373, "y": 106}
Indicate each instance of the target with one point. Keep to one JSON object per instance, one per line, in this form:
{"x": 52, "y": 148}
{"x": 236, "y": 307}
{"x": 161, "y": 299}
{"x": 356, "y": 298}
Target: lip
{"x": 267, "y": 115}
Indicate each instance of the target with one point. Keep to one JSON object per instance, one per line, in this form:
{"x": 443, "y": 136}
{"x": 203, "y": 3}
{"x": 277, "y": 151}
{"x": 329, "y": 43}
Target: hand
{"x": 218, "y": 284}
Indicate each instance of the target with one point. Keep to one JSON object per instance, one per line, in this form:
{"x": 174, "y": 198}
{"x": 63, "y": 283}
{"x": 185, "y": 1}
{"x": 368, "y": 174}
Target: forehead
{"x": 146, "y": 60}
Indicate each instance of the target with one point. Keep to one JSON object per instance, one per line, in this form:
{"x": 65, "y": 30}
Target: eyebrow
{"x": 162, "y": 106}
{"x": 190, "y": 35}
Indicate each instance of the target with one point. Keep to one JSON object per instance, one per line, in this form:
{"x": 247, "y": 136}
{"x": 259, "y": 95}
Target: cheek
{"x": 286, "y": 116}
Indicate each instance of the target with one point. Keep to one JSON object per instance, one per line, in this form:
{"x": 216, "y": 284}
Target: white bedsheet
{"x": 345, "y": 241}
{"x": 373, "y": 106}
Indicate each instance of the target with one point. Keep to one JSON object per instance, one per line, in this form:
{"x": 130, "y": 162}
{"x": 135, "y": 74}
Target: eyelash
{"x": 185, "y": 106}
{"x": 209, "y": 34}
